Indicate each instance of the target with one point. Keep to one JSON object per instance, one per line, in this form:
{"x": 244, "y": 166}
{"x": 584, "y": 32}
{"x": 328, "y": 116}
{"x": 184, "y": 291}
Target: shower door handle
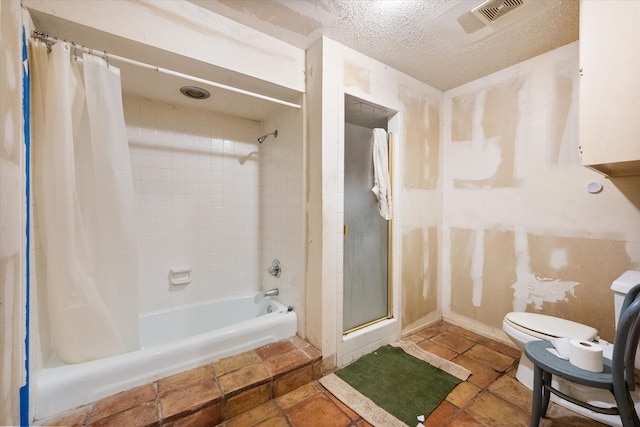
{"x": 345, "y": 228}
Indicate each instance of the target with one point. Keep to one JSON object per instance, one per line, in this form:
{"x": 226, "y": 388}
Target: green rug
{"x": 401, "y": 384}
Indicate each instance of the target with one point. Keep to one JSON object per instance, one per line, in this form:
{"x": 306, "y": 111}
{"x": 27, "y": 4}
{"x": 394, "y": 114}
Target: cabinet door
{"x": 610, "y": 86}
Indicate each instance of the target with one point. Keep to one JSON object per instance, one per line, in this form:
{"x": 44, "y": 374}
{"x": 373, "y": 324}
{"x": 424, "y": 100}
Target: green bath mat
{"x": 401, "y": 384}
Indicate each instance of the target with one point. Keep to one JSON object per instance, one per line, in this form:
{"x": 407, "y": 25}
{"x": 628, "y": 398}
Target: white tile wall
{"x": 197, "y": 195}
{"x": 209, "y": 196}
{"x": 283, "y": 214}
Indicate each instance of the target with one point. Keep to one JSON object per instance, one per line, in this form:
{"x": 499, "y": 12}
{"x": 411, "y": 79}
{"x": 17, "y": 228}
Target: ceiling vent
{"x": 461, "y": 27}
{"x": 493, "y": 10}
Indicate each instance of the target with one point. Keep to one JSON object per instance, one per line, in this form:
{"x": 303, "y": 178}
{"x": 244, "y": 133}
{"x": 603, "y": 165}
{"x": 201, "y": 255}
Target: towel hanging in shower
{"x": 382, "y": 187}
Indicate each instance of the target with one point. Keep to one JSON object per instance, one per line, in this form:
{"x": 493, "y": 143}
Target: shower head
{"x": 263, "y": 137}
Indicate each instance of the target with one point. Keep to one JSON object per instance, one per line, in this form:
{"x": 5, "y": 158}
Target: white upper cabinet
{"x": 610, "y": 86}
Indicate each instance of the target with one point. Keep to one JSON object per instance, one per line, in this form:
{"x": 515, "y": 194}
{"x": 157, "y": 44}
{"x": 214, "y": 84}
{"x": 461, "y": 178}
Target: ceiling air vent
{"x": 492, "y": 10}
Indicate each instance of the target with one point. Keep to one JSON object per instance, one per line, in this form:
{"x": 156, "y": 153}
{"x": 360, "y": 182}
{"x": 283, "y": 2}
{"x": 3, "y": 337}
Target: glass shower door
{"x": 365, "y": 282}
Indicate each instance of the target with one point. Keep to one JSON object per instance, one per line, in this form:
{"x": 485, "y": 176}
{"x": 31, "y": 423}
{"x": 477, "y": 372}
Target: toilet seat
{"x": 548, "y": 327}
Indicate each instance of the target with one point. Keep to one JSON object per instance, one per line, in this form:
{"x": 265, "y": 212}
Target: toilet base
{"x": 597, "y": 397}
{"x": 524, "y": 374}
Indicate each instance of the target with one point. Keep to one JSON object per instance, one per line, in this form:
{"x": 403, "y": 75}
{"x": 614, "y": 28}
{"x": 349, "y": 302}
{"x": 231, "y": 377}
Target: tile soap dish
{"x": 180, "y": 276}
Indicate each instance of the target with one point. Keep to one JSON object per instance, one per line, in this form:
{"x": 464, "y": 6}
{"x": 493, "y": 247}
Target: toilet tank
{"x": 621, "y": 287}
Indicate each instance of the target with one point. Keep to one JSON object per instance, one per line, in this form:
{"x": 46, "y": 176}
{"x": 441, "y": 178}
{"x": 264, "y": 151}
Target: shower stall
{"x": 368, "y": 240}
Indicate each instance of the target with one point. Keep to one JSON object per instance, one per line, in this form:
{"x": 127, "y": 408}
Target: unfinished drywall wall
{"x": 422, "y": 156}
{"x": 558, "y": 120}
{"x": 12, "y": 201}
{"x": 547, "y": 275}
{"x": 486, "y": 130}
{"x": 419, "y": 274}
{"x": 477, "y": 286}
{"x": 520, "y": 230}
{"x": 592, "y": 264}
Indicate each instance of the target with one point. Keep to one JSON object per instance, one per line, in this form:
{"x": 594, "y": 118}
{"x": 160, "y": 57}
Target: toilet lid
{"x": 542, "y": 326}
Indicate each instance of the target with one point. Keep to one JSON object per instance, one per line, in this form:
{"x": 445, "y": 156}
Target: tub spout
{"x": 272, "y": 292}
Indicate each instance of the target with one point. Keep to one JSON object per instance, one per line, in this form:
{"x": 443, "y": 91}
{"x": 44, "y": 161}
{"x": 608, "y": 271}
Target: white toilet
{"x": 524, "y": 327}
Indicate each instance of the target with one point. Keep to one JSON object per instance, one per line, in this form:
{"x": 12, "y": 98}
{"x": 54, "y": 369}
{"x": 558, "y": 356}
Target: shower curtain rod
{"x": 49, "y": 40}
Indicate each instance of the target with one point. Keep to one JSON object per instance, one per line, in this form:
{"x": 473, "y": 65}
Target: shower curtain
{"x": 84, "y": 204}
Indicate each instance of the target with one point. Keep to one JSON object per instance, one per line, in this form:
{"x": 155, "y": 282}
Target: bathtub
{"x": 171, "y": 341}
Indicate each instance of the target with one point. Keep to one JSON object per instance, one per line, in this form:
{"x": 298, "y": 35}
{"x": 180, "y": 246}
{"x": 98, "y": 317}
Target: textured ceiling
{"x": 421, "y": 38}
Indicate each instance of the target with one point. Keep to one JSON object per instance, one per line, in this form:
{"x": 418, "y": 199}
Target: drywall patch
{"x": 462, "y": 247}
{"x": 477, "y": 267}
{"x": 433, "y": 146}
{"x": 490, "y": 254}
{"x": 422, "y": 140}
{"x": 477, "y": 158}
{"x": 557, "y": 276}
{"x": 462, "y": 108}
{"x": 499, "y": 271}
{"x": 474, "y": 161}
{"x": 356, "y": 76}
{"x": 633, "y": 251}
{"x": 535, "y": 289}
{"x": 500, "y": 120}
{"x": 426, "y": 265}
{"x": 490, "y": 120}
{"x": 432, "y": 272}
{"x": 591, "y": 300}
{"x": 559, "y": 118}
{"x": 419, "y": 282}
{"x": 558, "y": 258}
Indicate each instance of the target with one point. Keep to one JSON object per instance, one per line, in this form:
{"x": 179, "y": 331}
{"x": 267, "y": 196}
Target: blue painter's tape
{"x": 26, "y": 112}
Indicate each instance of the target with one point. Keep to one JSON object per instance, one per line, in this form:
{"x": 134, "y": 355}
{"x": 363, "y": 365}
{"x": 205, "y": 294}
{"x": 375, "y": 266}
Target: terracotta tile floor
{"x": 490, "y": 397}
{"x": 206, "y": 395}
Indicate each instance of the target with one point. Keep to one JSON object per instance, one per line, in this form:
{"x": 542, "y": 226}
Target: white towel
{"x": 381, "y": 188}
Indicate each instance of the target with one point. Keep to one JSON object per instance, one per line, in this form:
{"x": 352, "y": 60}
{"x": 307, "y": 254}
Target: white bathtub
{"x": 172, "y": 341}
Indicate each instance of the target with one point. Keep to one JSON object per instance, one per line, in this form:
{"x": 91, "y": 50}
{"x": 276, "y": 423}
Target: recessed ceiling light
{"x": 194, "y": 92}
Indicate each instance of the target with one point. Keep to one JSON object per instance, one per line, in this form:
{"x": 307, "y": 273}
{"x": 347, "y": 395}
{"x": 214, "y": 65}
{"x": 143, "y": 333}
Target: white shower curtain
{"x": 84, "y": 204}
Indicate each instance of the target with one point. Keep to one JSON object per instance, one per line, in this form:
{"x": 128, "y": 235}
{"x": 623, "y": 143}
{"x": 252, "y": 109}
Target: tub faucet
{"x": 272, "y": 292}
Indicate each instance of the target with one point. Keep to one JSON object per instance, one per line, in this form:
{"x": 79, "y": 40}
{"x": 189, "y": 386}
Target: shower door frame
{"x": 386, "y": 328}
{"x": 390, "y": 251}
{"x": 346, "y": 348}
